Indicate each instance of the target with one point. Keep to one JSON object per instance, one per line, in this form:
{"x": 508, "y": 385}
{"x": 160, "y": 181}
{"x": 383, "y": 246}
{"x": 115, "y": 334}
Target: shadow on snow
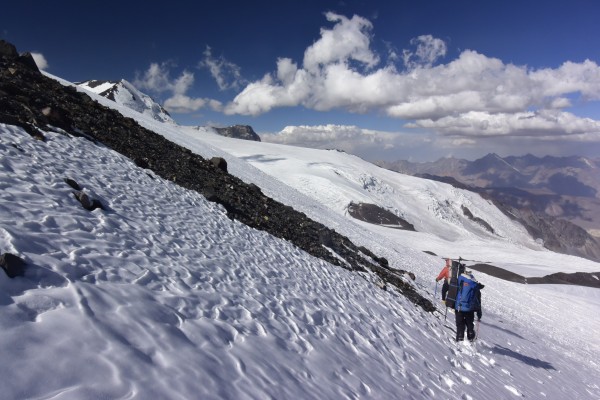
{"x": 534, "y": 362}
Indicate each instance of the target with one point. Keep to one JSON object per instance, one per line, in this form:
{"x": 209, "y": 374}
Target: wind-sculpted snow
{"x": 163, "y": 296}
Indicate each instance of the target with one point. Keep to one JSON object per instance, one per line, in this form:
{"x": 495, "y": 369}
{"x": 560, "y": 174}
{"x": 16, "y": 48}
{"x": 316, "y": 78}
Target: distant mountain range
{"x": 553, "y": 197}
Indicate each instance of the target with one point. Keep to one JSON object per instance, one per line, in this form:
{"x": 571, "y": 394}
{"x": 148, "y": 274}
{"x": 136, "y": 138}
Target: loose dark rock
{"x": 142, "y": 163}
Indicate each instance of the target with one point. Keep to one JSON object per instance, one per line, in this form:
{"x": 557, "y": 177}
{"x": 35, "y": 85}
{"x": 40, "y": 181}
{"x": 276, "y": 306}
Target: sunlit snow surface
{"x": 163, "y": 296}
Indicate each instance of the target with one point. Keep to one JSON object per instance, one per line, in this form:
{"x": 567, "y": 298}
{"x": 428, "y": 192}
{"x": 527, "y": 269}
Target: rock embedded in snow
{"x": 73, "y": 184}
{"x": 87, "y": 202}
{"x": 13, "y": 265}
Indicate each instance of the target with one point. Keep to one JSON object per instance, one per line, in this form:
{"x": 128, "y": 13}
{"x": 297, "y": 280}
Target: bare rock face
{"x": 239, "y": 132}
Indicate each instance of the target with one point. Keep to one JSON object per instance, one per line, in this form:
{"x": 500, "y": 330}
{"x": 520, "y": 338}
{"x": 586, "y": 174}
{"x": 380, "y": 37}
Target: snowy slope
{"x": 335, "y": 179}
{"x": 163, "y": 296}
{"x": 124, "y": 93}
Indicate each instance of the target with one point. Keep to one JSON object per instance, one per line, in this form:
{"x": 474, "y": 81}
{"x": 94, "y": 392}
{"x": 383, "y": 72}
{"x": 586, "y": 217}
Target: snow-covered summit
{"x": 124, "y": 93}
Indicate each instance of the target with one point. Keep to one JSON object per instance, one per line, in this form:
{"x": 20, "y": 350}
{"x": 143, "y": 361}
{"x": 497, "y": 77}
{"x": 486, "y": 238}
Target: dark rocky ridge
{"x": 34, "y": 102}
{"x": 577, "y": 278}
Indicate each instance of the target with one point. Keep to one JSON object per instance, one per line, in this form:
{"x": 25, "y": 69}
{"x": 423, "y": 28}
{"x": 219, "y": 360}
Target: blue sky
{"x": 395, "y": 80}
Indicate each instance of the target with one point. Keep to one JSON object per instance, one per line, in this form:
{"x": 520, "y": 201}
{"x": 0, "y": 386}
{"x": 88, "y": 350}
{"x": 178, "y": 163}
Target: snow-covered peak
{"x": 124, "y": 93}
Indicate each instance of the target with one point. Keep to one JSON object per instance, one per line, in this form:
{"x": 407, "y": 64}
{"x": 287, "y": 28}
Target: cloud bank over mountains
{"x": 471, "y": 96}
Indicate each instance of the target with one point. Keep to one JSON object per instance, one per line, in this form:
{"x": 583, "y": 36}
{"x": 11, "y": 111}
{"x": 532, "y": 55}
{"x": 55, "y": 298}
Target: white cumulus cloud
{"x": 367, "y": 143}
{"x": 428, "y": 51}
{"x": 556, "y": 123}
{"x": 157, "y": 79}
{"x": 341, "y": 71}
{"x": 225, "y": 73}
{"x": 348, "y": 39}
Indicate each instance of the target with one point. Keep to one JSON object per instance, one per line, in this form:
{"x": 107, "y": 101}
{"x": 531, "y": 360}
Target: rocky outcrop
{"x": 28, "y": 98}
{"x": 239, "y": 132}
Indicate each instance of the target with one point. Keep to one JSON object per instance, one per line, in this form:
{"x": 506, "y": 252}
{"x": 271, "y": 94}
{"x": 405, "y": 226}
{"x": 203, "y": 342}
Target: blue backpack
{"x": 456, "y": 270}
{"x": 468, "y": 298}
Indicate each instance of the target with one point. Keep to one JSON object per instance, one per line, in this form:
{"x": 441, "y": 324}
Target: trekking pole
{"x": 477, "y": 330}
{"x": 435, "y": 294}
